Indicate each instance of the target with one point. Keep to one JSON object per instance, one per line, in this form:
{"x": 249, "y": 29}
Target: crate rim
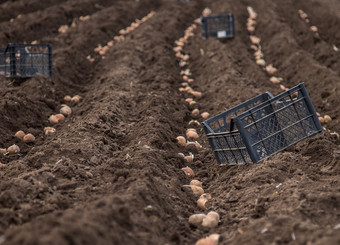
{"x": 233, "y": 109}
{"x": 29, "y": 44}
{"x": 277, "y": 97}
{"x": 217, "y": 15}
{"x": 255, "y": 108}
{"x": 10, "y": 45}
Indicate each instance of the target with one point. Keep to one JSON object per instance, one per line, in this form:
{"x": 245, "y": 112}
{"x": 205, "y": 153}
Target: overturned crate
{"x": 262, "y": 126}
{"x": 218, "y": 26}
{"x": 26, "y": 60}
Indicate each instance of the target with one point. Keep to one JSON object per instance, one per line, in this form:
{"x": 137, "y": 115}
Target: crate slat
{"x": 262, "y": 126}
{"x": 218, "y": 26}
{"x": 26, "y": 60}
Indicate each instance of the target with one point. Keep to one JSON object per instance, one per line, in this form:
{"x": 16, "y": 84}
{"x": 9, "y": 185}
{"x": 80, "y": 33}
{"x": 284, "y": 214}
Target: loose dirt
{"x": 111, "y": 173}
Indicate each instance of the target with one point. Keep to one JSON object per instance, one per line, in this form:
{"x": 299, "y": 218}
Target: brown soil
{"x": 111, "y": 173}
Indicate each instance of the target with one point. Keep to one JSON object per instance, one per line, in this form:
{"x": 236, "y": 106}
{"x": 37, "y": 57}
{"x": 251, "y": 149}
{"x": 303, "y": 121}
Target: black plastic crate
{"x": 26, "y": 60}
{"x": 262, "y": 126}
{"x": 218, "y": 26}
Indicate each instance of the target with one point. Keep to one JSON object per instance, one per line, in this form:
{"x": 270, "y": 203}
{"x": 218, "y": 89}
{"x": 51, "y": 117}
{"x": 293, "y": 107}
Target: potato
{"x": 29, "y": 138}
{"x": 196, "y": 219}
{"x": 189, "y": 172}
{"x": 20, "y": 134}
{"x": 13, "y": 149}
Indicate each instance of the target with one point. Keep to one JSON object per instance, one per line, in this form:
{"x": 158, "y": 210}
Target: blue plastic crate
{"x": 26, "y": 60}
{"x": 218, "y": 26}
{"x": 262, "y": 126}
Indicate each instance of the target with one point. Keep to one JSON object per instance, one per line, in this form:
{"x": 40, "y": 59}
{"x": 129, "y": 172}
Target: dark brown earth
{"x": 111, "y": 173}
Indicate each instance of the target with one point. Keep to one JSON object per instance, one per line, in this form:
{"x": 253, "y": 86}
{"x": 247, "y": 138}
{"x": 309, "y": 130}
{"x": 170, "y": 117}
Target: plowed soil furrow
{"x": 266, "y": 212}
{"x": 81, "y": 40}
{"x": 123, "y": 125}
{"x": 112, "y": 175}
{"x": 295, "y": 64}
{"x": 239, "y": 70}
{"x": 309, "y": 41}
{"x": 11, "y": 9}
{"x": 326, "y": 16}
{"x": 46, "y": 22}
{"x": 18, "y": 108}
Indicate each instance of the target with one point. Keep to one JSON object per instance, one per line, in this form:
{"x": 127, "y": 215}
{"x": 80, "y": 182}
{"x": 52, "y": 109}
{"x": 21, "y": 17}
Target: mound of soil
{"x": 111, "y": 174}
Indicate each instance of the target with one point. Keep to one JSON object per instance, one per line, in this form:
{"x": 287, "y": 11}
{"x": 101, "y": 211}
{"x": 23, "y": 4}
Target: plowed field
{"x": 111, "y": 173}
